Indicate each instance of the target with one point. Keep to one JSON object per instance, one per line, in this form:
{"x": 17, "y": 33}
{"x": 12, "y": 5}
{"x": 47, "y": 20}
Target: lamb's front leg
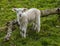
{"x": 23, "y": 30}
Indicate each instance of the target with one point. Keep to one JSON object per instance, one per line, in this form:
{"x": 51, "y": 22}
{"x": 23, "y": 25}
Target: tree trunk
{"x": 50, "y": 11}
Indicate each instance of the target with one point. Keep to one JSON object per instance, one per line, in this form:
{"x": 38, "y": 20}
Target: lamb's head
{"x": 19, "y": 11}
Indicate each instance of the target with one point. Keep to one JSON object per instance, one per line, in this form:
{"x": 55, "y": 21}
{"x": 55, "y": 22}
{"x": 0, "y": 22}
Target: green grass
{"x": 49, "y": 34}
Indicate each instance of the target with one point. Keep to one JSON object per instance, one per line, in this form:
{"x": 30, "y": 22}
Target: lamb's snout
{"x": 20, "y": 15}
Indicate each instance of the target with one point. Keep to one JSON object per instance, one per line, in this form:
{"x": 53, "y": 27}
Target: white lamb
{"x": 24, "y": 16}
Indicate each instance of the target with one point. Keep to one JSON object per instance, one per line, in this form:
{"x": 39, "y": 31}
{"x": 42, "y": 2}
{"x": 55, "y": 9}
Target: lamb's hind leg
{"x": 38, "y": 21}
{"x": 35, "y": 26}
{"x": 38, "y": 24}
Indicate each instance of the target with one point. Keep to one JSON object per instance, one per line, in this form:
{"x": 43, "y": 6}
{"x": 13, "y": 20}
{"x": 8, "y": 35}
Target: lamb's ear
{"x": 25, "y": 9}
{"x": 14, "y": 9}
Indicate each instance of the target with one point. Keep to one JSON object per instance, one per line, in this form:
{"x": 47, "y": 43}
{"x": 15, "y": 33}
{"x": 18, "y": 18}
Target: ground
{"x": 50, "y": 25}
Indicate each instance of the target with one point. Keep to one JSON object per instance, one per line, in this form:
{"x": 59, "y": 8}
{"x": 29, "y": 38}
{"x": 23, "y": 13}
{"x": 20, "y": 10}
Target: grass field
{"x": 50, "y": 25}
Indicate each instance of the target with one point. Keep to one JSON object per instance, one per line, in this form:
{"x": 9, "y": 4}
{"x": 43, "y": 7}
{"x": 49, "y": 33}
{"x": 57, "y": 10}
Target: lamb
{"x": 24, "y": 16}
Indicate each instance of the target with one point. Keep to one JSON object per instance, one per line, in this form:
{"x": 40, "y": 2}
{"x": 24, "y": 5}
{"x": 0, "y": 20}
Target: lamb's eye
{"x": 17, "y": 11}
{"x": 22, "y": 11}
